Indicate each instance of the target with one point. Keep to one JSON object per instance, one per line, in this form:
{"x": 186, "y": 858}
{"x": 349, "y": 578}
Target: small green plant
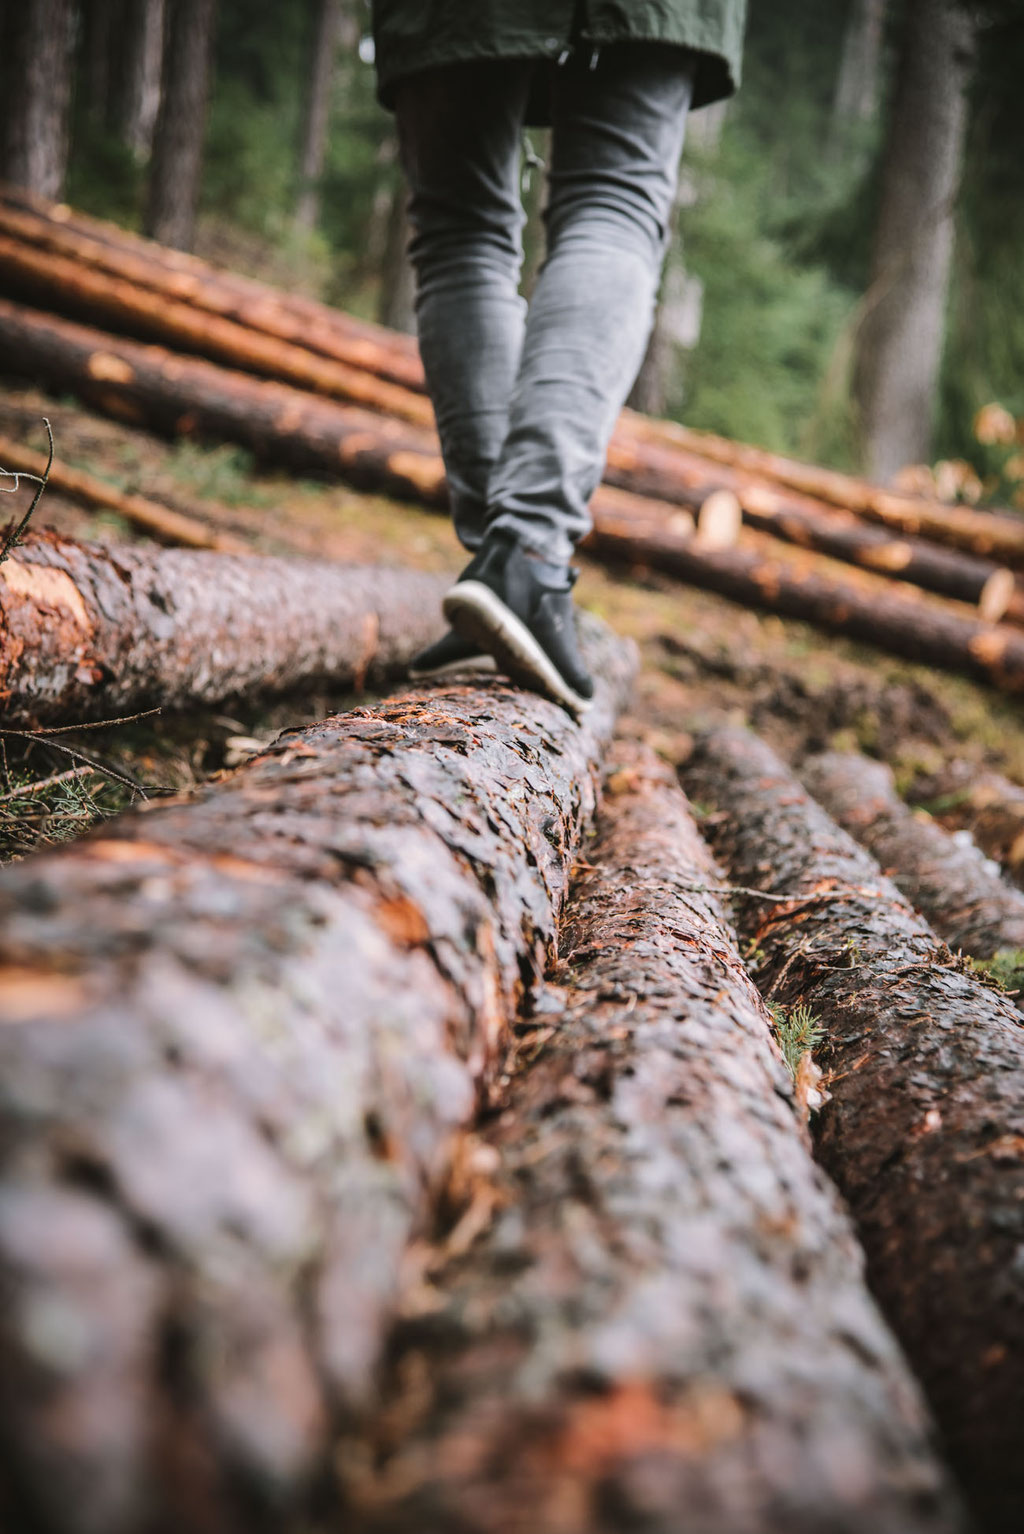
{"x": 796, "y": 1030}
{"x": 1005, "y": 969}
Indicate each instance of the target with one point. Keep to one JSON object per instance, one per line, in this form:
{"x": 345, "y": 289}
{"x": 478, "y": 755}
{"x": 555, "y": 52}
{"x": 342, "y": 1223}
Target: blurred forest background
{"x": 249, "y": 131}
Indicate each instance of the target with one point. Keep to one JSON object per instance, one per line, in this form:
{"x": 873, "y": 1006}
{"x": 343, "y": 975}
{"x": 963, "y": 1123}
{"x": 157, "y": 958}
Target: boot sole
{"x": 482, "y": 663}
{"x": 475, "y": 612}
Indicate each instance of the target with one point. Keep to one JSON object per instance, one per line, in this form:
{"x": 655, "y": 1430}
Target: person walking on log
{"x": 526, "y": 399}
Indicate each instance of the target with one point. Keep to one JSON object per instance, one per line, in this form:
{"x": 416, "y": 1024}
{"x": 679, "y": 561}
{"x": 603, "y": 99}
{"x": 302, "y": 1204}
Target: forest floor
{"x": 704, "y": 659}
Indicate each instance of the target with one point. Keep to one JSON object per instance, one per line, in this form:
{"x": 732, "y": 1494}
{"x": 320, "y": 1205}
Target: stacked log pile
{"x": 337, "y": 396}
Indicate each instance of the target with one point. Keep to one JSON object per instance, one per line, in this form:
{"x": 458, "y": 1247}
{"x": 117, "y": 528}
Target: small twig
{"x": 93, "y": 724}
{"x": 743, "y": 889}
{"x": 80, "y": 756}
{"x": 39, "y": 787}
{"x": 16, "y": 532}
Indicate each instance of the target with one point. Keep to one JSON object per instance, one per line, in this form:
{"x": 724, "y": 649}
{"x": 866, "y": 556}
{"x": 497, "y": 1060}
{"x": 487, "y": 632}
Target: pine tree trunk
{"x": 397, "y": 302}
{"x": 924, "y": 1130}
{"x": 139, "y": 102}
{"x": 181, "y": 123}
{"x": 38, "y": 83}
{"x": 588, "y": 1362}
{"x": 856, "y": 97}
{"x": 331, "y": 20}
{"x": 899, "y": 344}
{"x": 240, "y": 1034}
{"x": 87, "y": 633}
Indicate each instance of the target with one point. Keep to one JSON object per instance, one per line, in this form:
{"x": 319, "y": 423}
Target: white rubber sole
{"x": 474, "y": 611}
{"x": 472, "y": 663}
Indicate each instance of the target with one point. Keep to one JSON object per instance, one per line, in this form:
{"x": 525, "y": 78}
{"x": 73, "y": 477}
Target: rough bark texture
{"x": 924, "y": 1133}
{"x": 160, "y": 521}
{"x": 240, "y": 1032}
{"x": 867, "y": 609}
{"x": 181, "y": 123}
{"x": 664, "y": 1326}
{"x": 952, "y": 885}
{"x": 37, "y": 77}
{"x": 986, "y": 533}
{"x": 146, "y": 384}
{"x": 288, "y": 316}
{"x": 317, "y": 112}
{"x": 87, "y": 631}
{"x": 74, "y": 289}
{"x": 899, "y": 343}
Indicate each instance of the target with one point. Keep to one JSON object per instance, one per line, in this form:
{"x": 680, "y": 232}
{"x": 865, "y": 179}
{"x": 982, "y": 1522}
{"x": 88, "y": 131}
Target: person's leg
{"x": 459, "y": 133}
{"x": 616, "y": 143}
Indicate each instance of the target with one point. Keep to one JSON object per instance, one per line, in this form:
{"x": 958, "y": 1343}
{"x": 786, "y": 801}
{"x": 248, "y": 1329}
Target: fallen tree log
{"x": 648, "y": 1333}
{"x": 240, "y": 1033}
{"x": 952, "y": 885}
{"x": 988, "y": 805}
{"x": 177, "y": 394}
{"x": 993, "y": 534}
{"x": 162, "y": 522}
{"x": 100, "y": 298}
{"x": 900, "y": 621}
{"x": 924, "y": 1132}
{"x": 181, "y": 276}
{"x": 88, "y": 631}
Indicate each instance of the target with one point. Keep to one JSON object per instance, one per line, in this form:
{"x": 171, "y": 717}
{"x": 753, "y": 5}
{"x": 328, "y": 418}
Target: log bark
{"x": 953, "y": 886}
{"x": 648, "y": 1334}
{"x": 161, "y": 522}
{"x": 181, "y": 123}
{"x": 242, "y": 1031}
{"x": 902, "y": 622}
{"x": 180, "y": 395}
{"x": 87, "y": 631}
{"x": 179, "y": 275}
{"x": 74, "y": 289}
{"x": 987, "y": 804}
{"x": 924, "y": 1132}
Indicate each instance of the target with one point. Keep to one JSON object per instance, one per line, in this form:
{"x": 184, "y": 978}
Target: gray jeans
{"x": 526, "y": 400}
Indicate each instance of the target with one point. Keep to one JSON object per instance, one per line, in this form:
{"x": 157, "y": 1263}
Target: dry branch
{"x": 239, "y": 1034}
{"x": 86, "y": 630}
{"x": 161, "y": 521}
{"x": 665, "y": 1325}
{"x": 924, "y": 1133}
{"x": 951, "y": 885}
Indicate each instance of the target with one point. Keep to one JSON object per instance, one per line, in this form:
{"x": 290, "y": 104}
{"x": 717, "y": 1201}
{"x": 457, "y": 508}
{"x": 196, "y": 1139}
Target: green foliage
{"x": 796, "y": 1030}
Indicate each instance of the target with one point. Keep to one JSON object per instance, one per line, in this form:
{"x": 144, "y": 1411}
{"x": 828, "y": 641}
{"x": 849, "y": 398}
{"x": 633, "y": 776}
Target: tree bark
{"x": 987, "y": 804}
{"x": 161, "y": 522}
{"x": 181, "y": 123}
{"x": 242, "y": 1032}
{"x": 924, "y": 1132}
{"x": 139, "y": 96}
{"x": 856, "y": 97}
{"x": 951, "y": 885}
{"x": 330, "y": 18}
{"x": 180, "y": 276}
{"x": 87, "y": 631}
{"x": 589, "y": 1362}
{"x": 38, "y": 76}
{"x": 899, "y": 342}
{"x": 96, "y": 296}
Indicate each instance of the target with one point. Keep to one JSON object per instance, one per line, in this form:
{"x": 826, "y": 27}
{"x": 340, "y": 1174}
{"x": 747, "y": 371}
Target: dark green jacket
{"x": 411, "y": 35}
